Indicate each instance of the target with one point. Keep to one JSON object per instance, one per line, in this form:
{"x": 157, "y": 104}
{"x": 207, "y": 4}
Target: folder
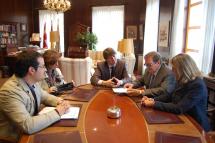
{"x": 60, "y": 137}
{"x": 79, "y": 94}
{"x": 161, "y": 137}
{"x": 68, "y": 122}
{"x": 153, "y": 116}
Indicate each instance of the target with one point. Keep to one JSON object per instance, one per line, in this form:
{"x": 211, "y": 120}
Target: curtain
{"x": 209, "y": 35}
{"x": 57, "y": 19}
{"x": 108, "y": 25}
{"x": 151, "y": 26}
{"x": 177, "y": 35}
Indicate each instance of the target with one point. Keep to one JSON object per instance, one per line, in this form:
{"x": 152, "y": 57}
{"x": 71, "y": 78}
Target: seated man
{"x": 111, "y": 72}
{"x": 158, "y": 78}
{"x": 21, "y": 96}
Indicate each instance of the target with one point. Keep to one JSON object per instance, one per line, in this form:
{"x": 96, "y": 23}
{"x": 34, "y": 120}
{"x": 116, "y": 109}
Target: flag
{"x": 52, "y": 43}
{"x": 45, "y": 37}
{"x": 58, "y": 42}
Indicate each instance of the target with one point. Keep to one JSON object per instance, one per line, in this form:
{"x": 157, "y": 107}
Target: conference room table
{"x": 95, "y": 127}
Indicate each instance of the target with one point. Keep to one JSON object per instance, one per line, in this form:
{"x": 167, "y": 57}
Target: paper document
{"x": 72, "y": 113}
{"x": 120, "y": 90}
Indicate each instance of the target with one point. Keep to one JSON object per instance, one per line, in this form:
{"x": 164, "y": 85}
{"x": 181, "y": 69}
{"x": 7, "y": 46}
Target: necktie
{"x": 112, "y": 72}
{"x": 151, "y": 81}
{"x": 35, "y": 99}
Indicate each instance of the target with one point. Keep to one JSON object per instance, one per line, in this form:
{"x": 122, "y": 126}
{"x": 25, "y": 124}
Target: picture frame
{"x": 23, "y": 27}
{"x": 131, "y": 32}
{"x": 163, "y": 35}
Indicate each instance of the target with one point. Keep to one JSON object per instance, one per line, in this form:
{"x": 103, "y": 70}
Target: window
{"x": 194, "y": 34}
{"x": 54, "y": 20}
{"x": 108, "y": 25}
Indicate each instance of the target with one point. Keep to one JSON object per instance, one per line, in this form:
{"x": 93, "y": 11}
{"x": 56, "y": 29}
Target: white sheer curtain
{"x": 46, "y": 16}
{"x": 151, "y": 26}
{"x": 108, "y": 25}
{"x": 177, "y": 35}
{"x": 209, "y": 35}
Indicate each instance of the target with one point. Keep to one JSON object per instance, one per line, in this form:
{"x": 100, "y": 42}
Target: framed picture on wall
{"x": 23, "y": 27}
{"x": 131, "y": 32}
{"x": 163, "y": 37}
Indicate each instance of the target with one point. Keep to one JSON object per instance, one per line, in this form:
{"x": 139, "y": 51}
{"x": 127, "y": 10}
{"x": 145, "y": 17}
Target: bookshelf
{"x": 8, "y": 39}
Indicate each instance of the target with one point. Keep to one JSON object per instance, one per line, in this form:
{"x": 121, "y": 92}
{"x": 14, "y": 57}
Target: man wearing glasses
{"x": 158, "y": 78}
{"x": 21, "y": 96}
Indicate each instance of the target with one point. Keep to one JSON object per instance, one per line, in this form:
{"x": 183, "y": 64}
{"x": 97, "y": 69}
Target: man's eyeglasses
{"x": 148, "y": 65}
{"x": 42, "y": 66}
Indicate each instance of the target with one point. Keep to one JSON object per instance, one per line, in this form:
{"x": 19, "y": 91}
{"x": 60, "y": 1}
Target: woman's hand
{"x": 148, "y": 102}
{"x": 52, "y": 89}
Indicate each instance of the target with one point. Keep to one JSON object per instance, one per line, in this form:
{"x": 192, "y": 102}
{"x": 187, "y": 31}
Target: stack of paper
{"x": 120, "y": 90}
{"x": 72, "y": 113}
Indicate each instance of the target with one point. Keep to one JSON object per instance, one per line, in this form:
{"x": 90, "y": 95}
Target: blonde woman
{"x": 189, "y": 97}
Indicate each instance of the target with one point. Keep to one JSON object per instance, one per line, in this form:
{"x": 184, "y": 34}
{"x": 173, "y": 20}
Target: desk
{"x": 95, "y": 127}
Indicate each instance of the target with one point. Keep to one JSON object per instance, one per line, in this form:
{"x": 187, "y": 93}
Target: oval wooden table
{"x": 95, "y": 127}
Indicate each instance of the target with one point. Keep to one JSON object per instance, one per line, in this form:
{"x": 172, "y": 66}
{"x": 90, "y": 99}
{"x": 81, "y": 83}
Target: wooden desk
{"x": 95, "y": 127}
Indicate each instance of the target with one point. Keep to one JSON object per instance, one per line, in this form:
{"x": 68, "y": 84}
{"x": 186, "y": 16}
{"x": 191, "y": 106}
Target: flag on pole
{"x": 58, "y": 42}
{"x": 45, "y": 37}
{"x": 51, "y": 40}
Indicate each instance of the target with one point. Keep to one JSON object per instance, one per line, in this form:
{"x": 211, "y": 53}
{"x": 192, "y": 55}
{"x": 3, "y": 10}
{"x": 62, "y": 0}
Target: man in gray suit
{"x": 21, "y": 96}
{"x": 158, "y": 78}
{"x": 111, "y": 72}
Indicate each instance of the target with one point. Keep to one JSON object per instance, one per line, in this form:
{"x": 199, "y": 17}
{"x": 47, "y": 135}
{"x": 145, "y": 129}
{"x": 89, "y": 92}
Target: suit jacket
{"x": 17, "y": 109}
{"x": 102, "y": 72}
{"x": 163, "y": 83}
{"x": 190, "y": 98}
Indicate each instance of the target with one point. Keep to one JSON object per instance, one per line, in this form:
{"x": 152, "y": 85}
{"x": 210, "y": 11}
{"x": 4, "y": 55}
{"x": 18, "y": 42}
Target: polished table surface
{"x": 95, "y": 127}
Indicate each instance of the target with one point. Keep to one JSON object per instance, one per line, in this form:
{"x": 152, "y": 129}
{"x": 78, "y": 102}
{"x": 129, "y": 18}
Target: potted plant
{"x": 87, "y": 40}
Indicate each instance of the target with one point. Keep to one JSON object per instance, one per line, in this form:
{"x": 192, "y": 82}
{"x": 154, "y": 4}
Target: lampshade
{"x": 35, "y": 37}
{"x": 126, "y": 46}
{"x": 54, "y": 36}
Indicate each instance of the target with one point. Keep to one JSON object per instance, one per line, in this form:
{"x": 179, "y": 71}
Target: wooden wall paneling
{"x": 18, "y": 11}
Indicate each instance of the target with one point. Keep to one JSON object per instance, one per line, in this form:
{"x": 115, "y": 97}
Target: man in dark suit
{"x": 111, "y": 72}
{"x": 158, "y": 78}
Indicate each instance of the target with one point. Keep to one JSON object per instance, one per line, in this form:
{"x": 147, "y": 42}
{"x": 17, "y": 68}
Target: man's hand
{"x": 59, "y": 100}
{"x": 63, "y": 107}
{"x": 134, "y": 92}
{"x": 116, "y": 82}
{"x": 108, "y": 83}
{"x": 128, "y": 85}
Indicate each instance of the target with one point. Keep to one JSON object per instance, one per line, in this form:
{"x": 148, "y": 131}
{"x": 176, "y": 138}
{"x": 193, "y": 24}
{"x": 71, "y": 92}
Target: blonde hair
{"x": 186, "y": 68}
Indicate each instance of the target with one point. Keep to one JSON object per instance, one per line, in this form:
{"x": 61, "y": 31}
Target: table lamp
{"x": 126, "y": 46}
{"x": 54, "y": 37}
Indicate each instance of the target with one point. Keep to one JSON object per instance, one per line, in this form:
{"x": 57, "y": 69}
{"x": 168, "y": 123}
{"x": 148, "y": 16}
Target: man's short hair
{"x": 26, "y": 59}
{"x": 108, "y": 52}
{"x": 155, "y": 56}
